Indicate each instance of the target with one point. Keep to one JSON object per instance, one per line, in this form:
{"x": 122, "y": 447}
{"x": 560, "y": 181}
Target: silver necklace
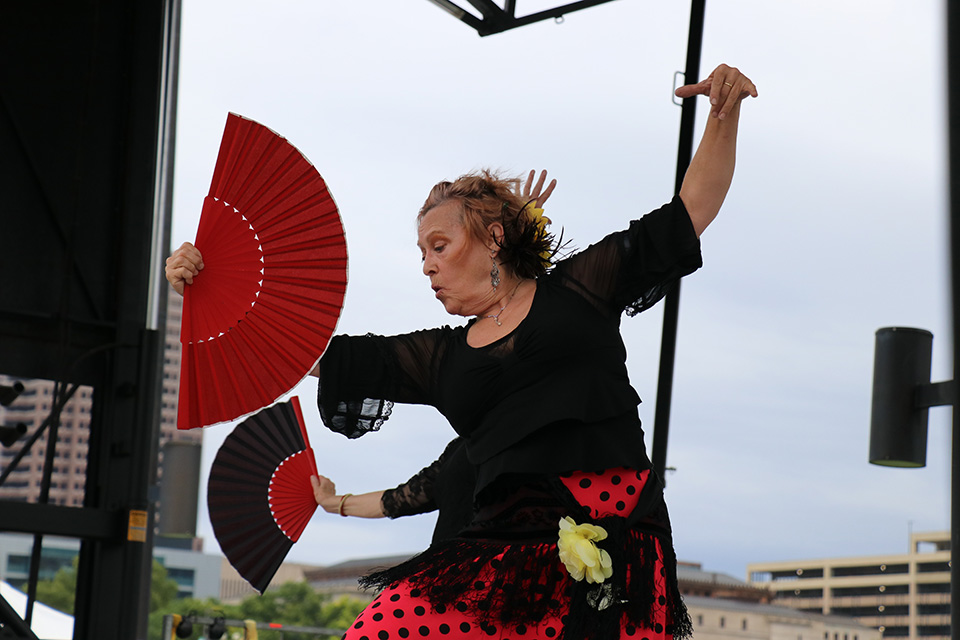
{"x": 496, "y": 316}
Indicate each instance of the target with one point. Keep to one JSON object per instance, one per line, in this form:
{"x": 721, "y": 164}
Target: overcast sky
{"x": 836, "y": 225}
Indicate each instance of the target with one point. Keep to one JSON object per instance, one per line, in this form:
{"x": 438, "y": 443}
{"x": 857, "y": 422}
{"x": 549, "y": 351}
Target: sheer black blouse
{"x": 550, "y": 397}
{"x": 445, "y": 485}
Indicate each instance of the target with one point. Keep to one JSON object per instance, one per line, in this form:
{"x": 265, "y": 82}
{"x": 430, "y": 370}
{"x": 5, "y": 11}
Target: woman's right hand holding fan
{"x": 183, "y": 266}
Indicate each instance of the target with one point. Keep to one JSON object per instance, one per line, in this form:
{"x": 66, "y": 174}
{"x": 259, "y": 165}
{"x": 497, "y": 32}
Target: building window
{"x": 870, "y": 570}
{"x": 723, "y": 622}
{"x": 933, "y": 609}
{"x": 743, "y": 625}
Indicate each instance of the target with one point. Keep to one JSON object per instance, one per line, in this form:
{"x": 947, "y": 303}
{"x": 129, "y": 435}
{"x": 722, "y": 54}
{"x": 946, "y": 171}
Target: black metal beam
{"x": 12, "y": 626}
{"x": 671, "y": 310}
{"x": 80, "y": 154}
{"x": 953, "y": 123}
{"x": 497, "y": 20}
{"x": 56, "y": 520}
{"x": 463, "y": 16}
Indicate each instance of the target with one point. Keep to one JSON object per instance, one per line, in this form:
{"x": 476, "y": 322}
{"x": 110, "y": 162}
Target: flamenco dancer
{"x": 570, "y": 536}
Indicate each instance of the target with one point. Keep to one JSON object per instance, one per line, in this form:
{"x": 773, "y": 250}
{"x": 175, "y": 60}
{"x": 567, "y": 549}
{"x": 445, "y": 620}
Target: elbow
{"x": 702, "y": 212}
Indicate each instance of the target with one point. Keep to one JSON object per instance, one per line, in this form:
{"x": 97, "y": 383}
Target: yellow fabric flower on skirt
{"x": 580, "y": 554}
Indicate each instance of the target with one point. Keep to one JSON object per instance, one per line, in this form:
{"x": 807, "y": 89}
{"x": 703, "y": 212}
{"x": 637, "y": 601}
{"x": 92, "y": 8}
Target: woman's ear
{"x": 495, "y": 229}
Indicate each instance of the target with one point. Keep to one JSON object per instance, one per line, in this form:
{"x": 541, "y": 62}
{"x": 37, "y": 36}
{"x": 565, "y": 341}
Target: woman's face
{"x": 457, "y": 264}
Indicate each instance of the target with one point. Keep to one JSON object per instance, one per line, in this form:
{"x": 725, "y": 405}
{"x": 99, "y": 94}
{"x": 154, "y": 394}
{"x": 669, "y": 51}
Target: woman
{"x": 570, "y": 536}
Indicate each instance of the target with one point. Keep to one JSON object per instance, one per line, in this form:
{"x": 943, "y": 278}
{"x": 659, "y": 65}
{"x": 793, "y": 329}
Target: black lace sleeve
{"x": 361, "y": 378}
{"x": 419, "y": 493}
{"x": 632, "y": 270}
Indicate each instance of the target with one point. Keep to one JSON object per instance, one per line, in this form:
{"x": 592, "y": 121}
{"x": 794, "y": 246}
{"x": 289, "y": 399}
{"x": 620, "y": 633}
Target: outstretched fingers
{"x": 532, "y": 191}
{"x": 726, "y": 86}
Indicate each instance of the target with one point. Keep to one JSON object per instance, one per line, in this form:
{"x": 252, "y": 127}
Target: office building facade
{"x": 902, "y": 595}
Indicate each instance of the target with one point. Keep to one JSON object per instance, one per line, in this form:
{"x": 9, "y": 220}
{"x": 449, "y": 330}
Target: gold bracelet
{"x": 340, "y": 507}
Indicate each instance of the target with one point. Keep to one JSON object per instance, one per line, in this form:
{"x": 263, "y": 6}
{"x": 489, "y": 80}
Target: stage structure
{"x": 496, "y": 19}
{"x": 87, "y": 96}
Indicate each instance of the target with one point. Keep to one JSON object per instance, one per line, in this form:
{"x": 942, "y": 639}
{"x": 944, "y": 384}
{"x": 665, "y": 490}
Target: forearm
{"x": 710, "y": 173}
{"x": 363, "y": 505}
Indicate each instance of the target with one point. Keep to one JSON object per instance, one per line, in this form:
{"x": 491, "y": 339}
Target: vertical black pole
{"x": 671, "y": 310}
{"x": 953, "y": 124}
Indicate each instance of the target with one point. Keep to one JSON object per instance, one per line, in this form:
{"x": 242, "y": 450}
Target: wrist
{"x": 342, "y": 503}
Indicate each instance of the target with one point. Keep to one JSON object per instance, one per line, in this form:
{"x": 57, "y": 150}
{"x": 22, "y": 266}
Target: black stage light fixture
{"x": 185, "y": 628}
{"x": 902, "y": 397}
{"x": 9, "y": 435}
{"x": 9, "y": 393}
{"x": 217, "y": 628}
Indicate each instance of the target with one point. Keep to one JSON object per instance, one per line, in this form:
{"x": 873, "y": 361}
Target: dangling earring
{"x": 494, "y": 273}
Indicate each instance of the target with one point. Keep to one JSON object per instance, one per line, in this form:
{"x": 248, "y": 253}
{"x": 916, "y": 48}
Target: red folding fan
{"x": 259, "y": 495}
{"x": 258, "y": 317}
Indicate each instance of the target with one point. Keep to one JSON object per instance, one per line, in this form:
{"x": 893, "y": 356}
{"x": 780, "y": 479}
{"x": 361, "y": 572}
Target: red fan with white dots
{"x": 259, "y": 494}
{"x": 260, "y": 314}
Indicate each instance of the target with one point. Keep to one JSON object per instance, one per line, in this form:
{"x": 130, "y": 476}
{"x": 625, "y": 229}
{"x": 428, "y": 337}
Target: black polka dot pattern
{"x": 402, "y": 612}
{"x": 614, "y": 492}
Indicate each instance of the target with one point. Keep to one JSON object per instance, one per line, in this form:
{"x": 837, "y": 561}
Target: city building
{"x": 234, "y": 588}
{"x": 903, "y": 595}
{"x": 33, "y": 407}
{"x": 724, "y": 619}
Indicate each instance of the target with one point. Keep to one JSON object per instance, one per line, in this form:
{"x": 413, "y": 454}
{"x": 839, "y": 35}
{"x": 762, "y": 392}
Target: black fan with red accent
{"x": 259, "y": 316}
{"x": 259, "y": 495}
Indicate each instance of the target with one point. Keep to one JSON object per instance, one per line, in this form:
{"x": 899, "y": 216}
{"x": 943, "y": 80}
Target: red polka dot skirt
{"x": 401, "y": 611}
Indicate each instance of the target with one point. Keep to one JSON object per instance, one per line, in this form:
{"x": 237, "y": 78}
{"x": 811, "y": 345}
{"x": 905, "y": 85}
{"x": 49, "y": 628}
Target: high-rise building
{"x": 904, "y": 595}
{"x": 33, "y": 406}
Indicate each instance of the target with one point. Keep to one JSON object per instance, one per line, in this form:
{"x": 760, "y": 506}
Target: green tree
{"x": 61, "y": 591}
{"x": 162, "y": 589}
{"x": 292, "y": 603}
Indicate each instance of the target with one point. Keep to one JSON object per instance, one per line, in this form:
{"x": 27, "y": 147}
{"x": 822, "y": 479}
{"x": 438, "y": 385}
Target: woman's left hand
{"x": 531, "y": 191}
{"x": 325, "y": 493}
{"x": 726, "y": 87}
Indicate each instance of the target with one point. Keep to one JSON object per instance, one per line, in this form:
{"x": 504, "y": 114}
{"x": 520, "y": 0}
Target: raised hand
{"x": 726, "y": 87}
{"x": 532, "y": 191}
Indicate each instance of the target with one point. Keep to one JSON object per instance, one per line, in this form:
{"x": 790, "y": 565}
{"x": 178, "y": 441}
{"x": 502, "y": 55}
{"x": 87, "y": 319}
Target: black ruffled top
{"x": 550, "y": 397}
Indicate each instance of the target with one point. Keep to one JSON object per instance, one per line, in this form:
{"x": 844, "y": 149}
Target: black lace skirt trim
{"x": 518, "y": 583}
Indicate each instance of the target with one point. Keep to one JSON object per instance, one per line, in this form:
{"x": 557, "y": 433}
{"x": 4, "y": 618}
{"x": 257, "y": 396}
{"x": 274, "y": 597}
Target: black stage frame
{"x": 87, "y": 90}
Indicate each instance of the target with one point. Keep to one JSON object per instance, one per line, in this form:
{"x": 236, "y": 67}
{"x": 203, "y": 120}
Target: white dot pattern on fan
{"x": 232, "y": 275}
{"x": 290, "y": 495}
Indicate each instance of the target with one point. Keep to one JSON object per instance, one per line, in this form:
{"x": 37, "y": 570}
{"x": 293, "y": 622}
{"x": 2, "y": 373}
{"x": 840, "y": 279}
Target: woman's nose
{"x": 429, "y": 266}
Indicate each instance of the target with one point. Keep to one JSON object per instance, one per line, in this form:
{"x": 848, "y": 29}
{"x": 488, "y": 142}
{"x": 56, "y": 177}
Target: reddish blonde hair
{"x": 485, "y": 198}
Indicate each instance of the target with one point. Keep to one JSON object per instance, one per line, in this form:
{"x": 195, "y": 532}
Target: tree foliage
{"x": 290, "y": 604}
{"x": 60, "y": 592}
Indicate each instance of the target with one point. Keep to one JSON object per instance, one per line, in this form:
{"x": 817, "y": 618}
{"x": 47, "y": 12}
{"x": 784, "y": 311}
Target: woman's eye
{"x": 439, "y": 248}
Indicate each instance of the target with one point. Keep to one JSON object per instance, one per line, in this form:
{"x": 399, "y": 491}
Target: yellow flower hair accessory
{"x": 536, "y": 216}
{"x": 580, "y": 554}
